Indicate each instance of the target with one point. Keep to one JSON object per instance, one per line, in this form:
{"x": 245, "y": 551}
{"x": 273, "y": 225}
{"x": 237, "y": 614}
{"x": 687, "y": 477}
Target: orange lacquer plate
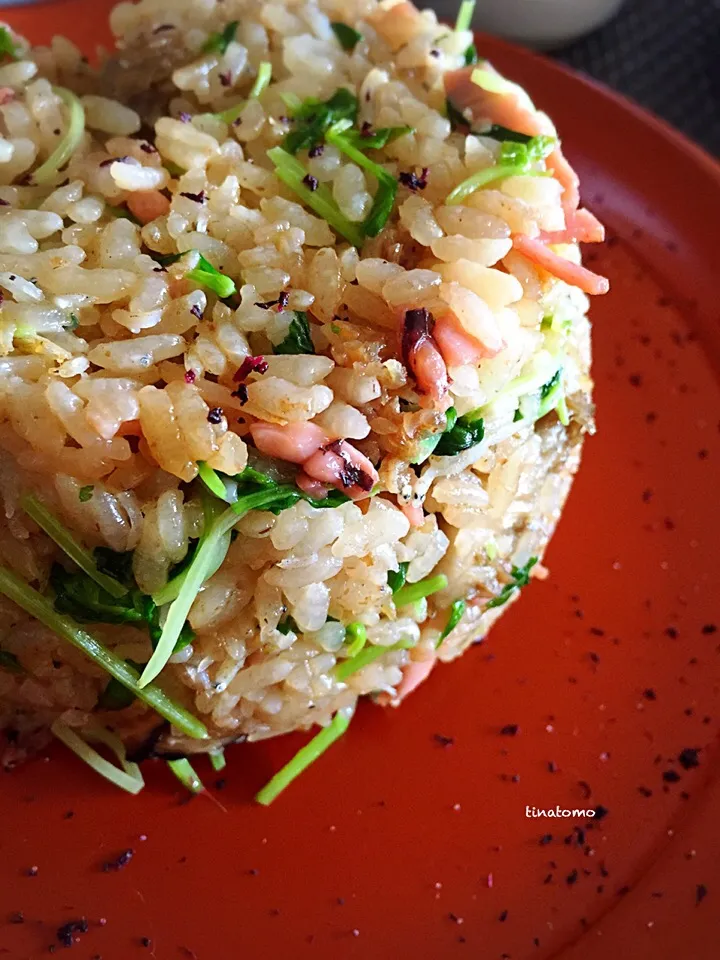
{"x": 399, "y": 842}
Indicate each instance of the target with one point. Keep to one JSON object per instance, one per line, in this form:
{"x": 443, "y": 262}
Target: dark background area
{"x": 665, "y": 55}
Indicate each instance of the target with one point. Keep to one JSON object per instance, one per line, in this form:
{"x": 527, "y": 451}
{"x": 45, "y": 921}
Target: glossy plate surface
{"x": 395, "y": 844}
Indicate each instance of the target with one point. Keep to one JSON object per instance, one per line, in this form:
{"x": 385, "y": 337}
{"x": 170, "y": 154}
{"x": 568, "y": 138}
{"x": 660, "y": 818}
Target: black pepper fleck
{"x": 509, "y": 730}
{"x": 689, "y": 758}
{"x": 215, "y": 415}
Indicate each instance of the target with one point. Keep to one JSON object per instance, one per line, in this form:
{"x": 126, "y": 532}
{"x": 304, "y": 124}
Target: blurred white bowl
{"x": 537, "y": 23}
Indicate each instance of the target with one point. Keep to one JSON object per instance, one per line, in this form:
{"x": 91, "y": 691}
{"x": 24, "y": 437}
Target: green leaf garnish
{"x": 127, "y": 776}
{"x": 292, "y": 173}
{"x": 68, "y": 143}
{"x": 67, "y": 542}
{"x": 206, "y": 275}
{"x": 183, "y": 770}
{"x": 9, "y": 662}
{"x": 85, "y": 493}
{"x": 72, "y": 324}
{"x": 396, "y": 578}
{"x": 219, "y": 42}
{"x": 212, "y": 481}
{"x": 217, "y": 760}
{"x": 456, "y": 613}
{"x": 550, "y": 394}
{"x": 515, "y": 158}
{"x": 298, "y": 339}
{"x": 305, "y": 756}
{"x": 471, "y": 56}
{"x": 520, "y": 579}
{"x": 115, "y": 696}
{"x": 313, "y": 119}
{"x": 348, "y": 38}
{"x": 40, "y": 607}
{"x": 465, "y": 432}
{"x": 412, "y": 592}
{"x": 505, "y": 133}
{"x": 287, "y": 625}
{"x": 8, "y": 47}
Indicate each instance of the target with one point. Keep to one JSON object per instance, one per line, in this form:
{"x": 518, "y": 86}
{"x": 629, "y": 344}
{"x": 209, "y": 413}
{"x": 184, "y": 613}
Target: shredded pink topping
{"x": 537, "y": 252}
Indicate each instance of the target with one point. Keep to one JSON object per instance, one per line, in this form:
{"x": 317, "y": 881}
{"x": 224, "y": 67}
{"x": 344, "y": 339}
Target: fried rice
{"x": 294, "y": 366}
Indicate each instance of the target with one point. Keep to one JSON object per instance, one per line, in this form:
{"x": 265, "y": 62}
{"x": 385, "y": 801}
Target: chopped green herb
{"x": 217, "y": 760}
{"x": 219, "y": 42}
{"x": 396, "y": 578}
{"x": 262, "y": 81}
{"x": 429, "y": 444}
{"x": 524, "y": 154}
{"x": 293, "y": 174}
{"x": 85, "y": 493}
{"x": 456, "y": 613}
{"x": 313, "y": 119}
{"x": 412, "y": 592}
{"x": 547, "y": 322}
{"x": 127, "y": 776}
{"x": 387, "y": 184}
{"x": 206, "y": 275}
{"x": 42, "y": 609}
{"x": 471, "y": 56}
{"x": 287, "y": 625}
{"x": 355, "y": 637}
{"x": 168, "y": 259}
{"x": 87, "y": 602}
{"x": 298, "y": 339}
{"x": 9, "y": 662}
{"x": 375, "y": 139}
{"x": 491, "y": 550}
{"x": 465, "y": 15}
{"x": 69, "y": 143}
{"x": 212, "y": 550}
{"x": 8, "y": 47}
{"x": 348, "y": 38}
{"x": 115, "y": 696}
{"x": 517, "y": 416}
{"x": 505, "y": 133}
{"x": 72, "y": 324}
{"x": 520, "y": 578}
{"x": 550, "y": 394}
{"x": 67, "y": 542}
{"x": 366, "y": 656}
{"x": 515, "y": 158}
{"x": 465, "y": 432}
{"x": 382, "y": 206}
{"x": 186, "y": 775}
{"x": 212, "y": 481}
{"x": 306, "y": 756}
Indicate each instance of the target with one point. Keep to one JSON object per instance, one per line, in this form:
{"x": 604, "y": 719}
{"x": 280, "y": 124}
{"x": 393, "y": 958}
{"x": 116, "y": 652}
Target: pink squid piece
{"x": 343, "y": 467}
{"x": 294, "y": 442}
{"x": 456, "y": 345}
{"x": 423, "y": 359}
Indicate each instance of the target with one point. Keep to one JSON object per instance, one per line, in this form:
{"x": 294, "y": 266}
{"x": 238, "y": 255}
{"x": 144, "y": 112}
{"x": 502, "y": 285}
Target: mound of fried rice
{"x": 420, "y": 386}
